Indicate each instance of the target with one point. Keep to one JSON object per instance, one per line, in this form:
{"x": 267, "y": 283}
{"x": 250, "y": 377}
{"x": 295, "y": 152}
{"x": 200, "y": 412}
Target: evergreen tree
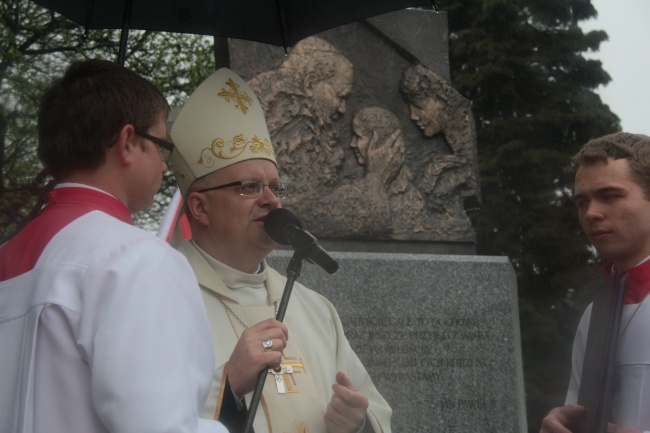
{"x": 521, "y": 65}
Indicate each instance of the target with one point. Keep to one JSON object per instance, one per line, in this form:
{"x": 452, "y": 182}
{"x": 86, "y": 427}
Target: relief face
{"x": 428, "y": 115}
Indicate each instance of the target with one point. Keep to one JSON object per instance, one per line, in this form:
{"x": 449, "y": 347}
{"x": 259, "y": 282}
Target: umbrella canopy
{"x": 275, "y": 22}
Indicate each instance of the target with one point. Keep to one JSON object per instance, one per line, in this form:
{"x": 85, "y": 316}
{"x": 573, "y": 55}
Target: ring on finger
{"x": 267, "y": 344}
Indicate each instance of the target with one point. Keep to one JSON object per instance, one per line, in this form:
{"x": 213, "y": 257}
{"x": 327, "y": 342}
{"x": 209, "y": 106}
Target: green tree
{"x": 36, "y": 45}
{"x": 521, "y": 65}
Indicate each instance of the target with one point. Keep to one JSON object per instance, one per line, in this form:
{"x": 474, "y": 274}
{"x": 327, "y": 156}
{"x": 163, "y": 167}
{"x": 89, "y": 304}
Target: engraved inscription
{"x": 450, "y": 353}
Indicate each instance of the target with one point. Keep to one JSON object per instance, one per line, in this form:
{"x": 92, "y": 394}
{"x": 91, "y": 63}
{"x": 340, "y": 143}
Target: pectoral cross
{"x": 279, "y": 374}
{"x": 283, "y": 375}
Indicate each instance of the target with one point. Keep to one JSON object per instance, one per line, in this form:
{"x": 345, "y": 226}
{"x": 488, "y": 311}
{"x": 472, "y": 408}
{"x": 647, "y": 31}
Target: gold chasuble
{"x": 295, "y": 399}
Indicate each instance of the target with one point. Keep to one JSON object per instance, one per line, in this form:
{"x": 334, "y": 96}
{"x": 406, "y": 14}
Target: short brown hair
{"x": 621, "y": 145}
{"x": 82, "y": 112}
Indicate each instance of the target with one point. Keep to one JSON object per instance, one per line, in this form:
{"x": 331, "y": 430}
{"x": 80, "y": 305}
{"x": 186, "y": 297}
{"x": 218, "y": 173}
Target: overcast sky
{"x": 626, "y": 57}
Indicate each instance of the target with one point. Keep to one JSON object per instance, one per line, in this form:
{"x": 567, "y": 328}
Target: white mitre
{"x": 221, "y": 124}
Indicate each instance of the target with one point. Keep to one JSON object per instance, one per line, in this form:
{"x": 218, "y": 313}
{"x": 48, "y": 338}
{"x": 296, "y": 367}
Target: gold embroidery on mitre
{"x": 223, "y": 149}
{"x": 241, "y": 98}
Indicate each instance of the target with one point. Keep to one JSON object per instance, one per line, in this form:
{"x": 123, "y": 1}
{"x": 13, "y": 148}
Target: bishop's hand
{"x": 250, "y": 356}
{"x": 347, "y": 408}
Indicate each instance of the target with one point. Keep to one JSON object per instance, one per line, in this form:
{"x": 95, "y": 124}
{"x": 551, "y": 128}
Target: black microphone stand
{"x": 293, "y": 272}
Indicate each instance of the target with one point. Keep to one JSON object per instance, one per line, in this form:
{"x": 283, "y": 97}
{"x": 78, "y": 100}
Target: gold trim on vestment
{"x": 222, "y": 387}
{"x": 267, "y": 415}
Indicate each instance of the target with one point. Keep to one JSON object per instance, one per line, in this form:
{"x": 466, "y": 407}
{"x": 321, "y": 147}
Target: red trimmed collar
{"x": 638, "y": 281}
{"x": 89, "y": 197}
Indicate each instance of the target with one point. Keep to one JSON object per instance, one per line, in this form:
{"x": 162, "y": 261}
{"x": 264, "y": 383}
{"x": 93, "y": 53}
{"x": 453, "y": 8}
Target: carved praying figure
{"x": 379, "y": 146}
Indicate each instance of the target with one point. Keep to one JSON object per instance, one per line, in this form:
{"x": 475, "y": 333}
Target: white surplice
{"x": 94, "y": 338}
{"x": 631, "y": 397}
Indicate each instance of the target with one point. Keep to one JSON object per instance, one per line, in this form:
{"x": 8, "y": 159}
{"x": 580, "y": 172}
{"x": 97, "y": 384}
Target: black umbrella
{"x": 275, "y": 22}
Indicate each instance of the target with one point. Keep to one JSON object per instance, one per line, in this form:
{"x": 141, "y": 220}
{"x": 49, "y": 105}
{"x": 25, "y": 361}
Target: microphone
{"x": 284, "y": 227}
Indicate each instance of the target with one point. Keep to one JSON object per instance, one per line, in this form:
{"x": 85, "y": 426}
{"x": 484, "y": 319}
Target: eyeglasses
{"x": 254, "y": 188}
{"x": 165, "y": 148}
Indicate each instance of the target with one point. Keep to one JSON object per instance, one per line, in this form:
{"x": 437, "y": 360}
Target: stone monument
{"x": 380, "y": 153}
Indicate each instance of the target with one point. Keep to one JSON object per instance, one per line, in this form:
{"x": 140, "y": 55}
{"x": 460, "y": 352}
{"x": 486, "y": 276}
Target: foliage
{"x": 33, "y": 45}
{"x": 521, "y": 65}
{"x": 36, "y": 45}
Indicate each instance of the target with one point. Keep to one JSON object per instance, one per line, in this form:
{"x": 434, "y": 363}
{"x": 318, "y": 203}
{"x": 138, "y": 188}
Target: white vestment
{"x": 631, "y": 397}
{"x": 94, "y": 338}
{"x": 316, "y": 348}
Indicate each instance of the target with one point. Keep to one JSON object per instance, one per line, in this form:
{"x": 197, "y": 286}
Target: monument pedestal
{"x": 439, "y": 335}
